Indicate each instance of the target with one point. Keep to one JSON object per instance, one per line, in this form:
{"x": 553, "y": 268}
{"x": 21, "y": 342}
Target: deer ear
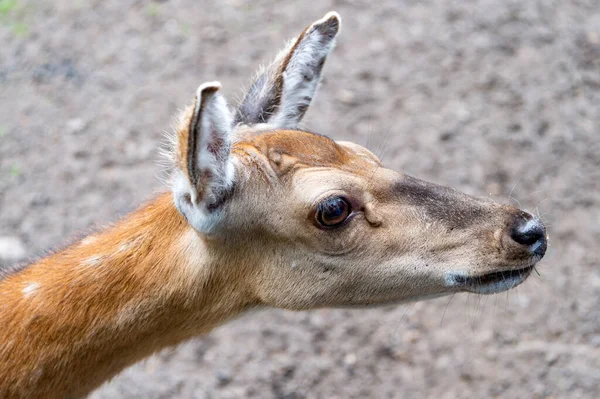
{"x": 204, "y": 173}
{"x": 283, "y": 91}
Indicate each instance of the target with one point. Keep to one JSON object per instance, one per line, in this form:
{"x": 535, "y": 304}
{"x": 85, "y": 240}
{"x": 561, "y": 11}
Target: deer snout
{"x": 529, "y": 232}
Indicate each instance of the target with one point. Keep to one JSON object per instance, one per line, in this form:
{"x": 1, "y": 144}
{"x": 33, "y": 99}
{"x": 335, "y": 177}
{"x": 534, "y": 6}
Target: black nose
{"x": 530, "y": 231}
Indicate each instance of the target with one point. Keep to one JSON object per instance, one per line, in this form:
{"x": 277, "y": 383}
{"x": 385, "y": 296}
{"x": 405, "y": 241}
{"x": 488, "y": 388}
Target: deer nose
{"x": 529, "y": 231}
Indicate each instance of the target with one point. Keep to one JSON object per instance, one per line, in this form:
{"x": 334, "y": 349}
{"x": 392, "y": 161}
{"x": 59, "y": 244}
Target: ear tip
{"x": 332, "y": 15}
{"x": 330, "y": 23}
{"x": 208, "y": 88}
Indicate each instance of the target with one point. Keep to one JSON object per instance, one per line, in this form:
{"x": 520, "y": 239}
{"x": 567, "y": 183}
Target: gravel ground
{"x": 486, "y": 96}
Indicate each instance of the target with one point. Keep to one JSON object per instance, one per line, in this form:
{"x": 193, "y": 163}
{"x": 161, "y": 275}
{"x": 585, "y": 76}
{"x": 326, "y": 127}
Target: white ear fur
{"x": 282, "y": 93}
{"x": 207, "y": 179}
{"x": 302, "y": 75}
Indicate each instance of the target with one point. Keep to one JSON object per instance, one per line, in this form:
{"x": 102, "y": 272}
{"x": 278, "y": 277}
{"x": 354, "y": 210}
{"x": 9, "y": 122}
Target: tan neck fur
{"x": 80, "y": 316}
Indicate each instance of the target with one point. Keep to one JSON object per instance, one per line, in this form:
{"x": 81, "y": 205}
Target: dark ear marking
{"x": 255, "y": 108}
{"x": 329, "y": 26}
{"x": 204, "y": 94}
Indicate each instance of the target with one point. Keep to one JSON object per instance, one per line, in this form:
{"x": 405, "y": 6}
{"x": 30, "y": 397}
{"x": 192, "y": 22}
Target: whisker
{"x": 404, "y": 316}
{"x": 537, "y": 207}
{"x": 471, "y": 313}
{"x": 384, "y": 142}
{"x": 519, "y": 301}
{"x": 511, "y": 192}
{"x": 368, "y": 143}
{"x": 535, "y": 282}
{"x": 495, "y": 310}
{"x": 483, "y": 307}
{"x": 516, "y": 200}
{"x": 446, "y": 308}
{"x": 477, "y": 312}
{"x": 542, "y": 201}
{"x": 467, "y": 304}
{"x": 407, "y": 312}
{"x": 513, "y": 188}
{"x": 532, "y": 193}
{"x": 381, "y": 155}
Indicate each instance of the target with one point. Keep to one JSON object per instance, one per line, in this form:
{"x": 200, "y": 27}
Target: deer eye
{"x": 332, "y": 212}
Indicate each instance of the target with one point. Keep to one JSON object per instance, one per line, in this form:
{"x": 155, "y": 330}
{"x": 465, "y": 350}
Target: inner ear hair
{"x": 281, "y": 93}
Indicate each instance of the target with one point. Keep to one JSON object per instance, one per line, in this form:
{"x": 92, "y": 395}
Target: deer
{"x": 259, "y": 213}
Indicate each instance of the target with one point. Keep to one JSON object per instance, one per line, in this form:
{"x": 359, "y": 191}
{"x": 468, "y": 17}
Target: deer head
{"x": 317, "y": 223}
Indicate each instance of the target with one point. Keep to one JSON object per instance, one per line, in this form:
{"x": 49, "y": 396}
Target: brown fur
{"x": 89, "y": 319}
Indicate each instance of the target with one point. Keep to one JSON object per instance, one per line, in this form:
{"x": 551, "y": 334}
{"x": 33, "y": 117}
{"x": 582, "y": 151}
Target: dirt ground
{"x": 486, "y": 96}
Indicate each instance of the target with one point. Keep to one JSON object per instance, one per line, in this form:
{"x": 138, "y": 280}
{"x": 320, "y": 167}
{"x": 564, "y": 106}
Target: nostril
{"x": 530, "y": 231}
{"x": 527, "y": 235}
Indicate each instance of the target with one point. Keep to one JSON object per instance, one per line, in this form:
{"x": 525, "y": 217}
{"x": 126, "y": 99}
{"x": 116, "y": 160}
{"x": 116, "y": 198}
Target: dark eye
{"x": 332, "y": 212}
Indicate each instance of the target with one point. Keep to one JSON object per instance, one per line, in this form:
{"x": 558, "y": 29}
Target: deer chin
{"x": 488, "y": 283}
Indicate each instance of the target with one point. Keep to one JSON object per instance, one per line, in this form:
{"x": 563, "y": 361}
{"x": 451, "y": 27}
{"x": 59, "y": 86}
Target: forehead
{"x": 302, "y": 149}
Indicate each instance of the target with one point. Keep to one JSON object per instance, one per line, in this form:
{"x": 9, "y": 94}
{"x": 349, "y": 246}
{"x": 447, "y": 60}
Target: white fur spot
{"x": 126, "y": 245}
{"x": 30, "y": 289}
{"x": 93, "y": 260}
{"x": 89, "y": 240}
{"x": 453, "y": 279}
{"x": 37, "y": 374}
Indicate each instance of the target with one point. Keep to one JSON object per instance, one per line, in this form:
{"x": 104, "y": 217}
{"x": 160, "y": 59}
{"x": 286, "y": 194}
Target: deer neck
{"x": 78, "y": 317}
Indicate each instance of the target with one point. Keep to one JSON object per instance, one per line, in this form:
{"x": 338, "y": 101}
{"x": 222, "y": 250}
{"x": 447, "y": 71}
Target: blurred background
{"x": 495, "y": 98}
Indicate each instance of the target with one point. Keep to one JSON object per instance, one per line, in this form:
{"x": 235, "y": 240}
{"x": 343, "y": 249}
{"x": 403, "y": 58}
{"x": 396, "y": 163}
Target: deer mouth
{"x": 489, "y": 283}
